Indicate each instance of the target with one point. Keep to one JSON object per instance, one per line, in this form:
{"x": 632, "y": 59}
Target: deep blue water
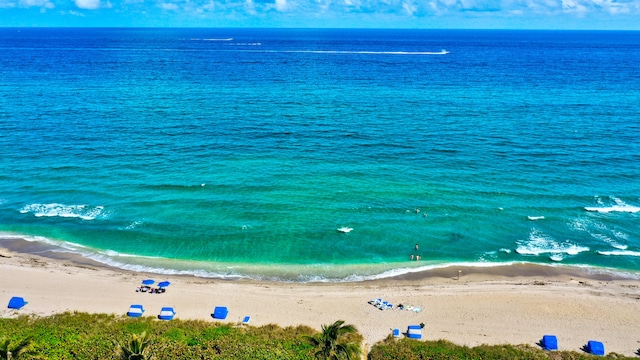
{"x": 240, "y": 152}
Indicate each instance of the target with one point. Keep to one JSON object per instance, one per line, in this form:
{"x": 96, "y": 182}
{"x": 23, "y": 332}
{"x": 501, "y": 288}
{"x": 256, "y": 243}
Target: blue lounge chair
{"x": 549, "y": 342}
{"x": 595, "y": 347}
{"x": 246, "y": 320}
{"x": 220, "y": 312}
{"x": 135, "y": 310}
{"x": 16, "y": 303}
{"x": 396, "y": 333}
{"x": 414, "y": 332}
{"x": 166, "y": 313}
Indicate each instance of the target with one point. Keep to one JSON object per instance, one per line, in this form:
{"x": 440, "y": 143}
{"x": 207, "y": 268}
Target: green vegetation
{"x": 138, "y": 348}
{"x": 336, "y": 341}
{"x": 407, "y": 349}
{"x": 15, "y": 350}
{"x": 87, "y": 336}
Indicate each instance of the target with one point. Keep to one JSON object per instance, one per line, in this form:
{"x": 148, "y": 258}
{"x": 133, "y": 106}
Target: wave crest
{"x": 84, "y": 212}
{"x": 616, "y": 206}
{"x": 620, "y": 253}
{"x": 540, "y": 243}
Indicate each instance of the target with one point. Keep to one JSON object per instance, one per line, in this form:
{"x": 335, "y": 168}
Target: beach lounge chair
{"x": 376, "y": 302}
{"x": 396, "y": 333}
{"x": 220, "y": 312}
{"x": 595, "y": 347}
{"x": 16, "y": 303}
{"x": 246, "y": 320}
{"x": 414, "y": 332}
{"x": 135, "y": 310}
{"x": 166, "y": 313}
{"x": 549, "y": 342}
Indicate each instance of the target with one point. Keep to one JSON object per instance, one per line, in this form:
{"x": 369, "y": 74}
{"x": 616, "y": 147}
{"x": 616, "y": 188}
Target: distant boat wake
{"x": 441, "y": 52}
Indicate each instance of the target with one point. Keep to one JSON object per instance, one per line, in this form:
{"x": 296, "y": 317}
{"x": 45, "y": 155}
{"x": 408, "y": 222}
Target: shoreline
{"x": 20, "y": 245}
{"x": 514, "y": 304}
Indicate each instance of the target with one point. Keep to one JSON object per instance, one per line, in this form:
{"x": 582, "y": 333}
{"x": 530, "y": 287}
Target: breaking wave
{"x": 84, "y": 212}
{"x": 539, "y": 243}
{"x": 616, "y": 205}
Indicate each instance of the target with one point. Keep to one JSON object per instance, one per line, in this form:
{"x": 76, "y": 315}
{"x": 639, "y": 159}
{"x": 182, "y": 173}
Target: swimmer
{"x": 416, "y": 247}
{"x": 411, "y": 257}
{"x": 417, "y": 257}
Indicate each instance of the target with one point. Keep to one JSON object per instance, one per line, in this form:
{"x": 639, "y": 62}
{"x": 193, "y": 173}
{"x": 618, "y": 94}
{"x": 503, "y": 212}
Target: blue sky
{"x": 447, "y": 14}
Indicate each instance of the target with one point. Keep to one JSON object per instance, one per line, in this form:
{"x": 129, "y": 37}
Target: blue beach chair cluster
{"x": 550, "y": 343}
{"x": 168, "y": 313}
{"x": 146, "y": 286}
{"x": 380, "y": 304}
{"x": 137, "y": 310}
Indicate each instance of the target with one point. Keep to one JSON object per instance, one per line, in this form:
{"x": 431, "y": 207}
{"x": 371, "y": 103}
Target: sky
{"x": 421, "y": 14}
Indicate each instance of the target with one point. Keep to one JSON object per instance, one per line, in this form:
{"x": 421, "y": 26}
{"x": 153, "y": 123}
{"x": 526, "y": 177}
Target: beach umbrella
{"x": 163, "y": 284}
{"x": 148, "y": 282}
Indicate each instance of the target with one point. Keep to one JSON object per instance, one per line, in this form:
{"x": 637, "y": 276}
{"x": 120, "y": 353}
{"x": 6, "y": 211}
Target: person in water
{"x": 411, "y": 257}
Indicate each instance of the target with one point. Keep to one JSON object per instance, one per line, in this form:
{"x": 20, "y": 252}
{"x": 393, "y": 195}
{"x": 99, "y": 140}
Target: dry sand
{"x": 512, "y": 304}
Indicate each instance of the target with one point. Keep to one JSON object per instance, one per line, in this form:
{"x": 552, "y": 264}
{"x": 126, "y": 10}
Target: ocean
{"x": 319, "y": 154}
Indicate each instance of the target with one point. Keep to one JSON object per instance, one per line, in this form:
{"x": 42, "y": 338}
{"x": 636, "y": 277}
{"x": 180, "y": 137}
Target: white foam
{"x": 540, "y": 243}
{"x": 344, "y": 229}
{"x": 133, "y": 225}
{"x": 84, "y": 212}
{"x": 602, "y": 232}
{"x": 620, "y": 253}
{"x": 534, "y": 218}
{"x": 617, "y": 206}
{"x": 609, "y": 241}
{"x": 556, "y": 257}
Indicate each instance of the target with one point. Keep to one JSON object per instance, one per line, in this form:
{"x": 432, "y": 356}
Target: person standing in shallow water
{"x": 416, "y": 247}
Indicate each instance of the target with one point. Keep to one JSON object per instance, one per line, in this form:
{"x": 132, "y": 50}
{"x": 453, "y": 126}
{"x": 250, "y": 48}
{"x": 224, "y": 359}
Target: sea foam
{"x": 617, "y": 206}
{"x": 84, "y": 212}
{"x": 539, "y": 243}
{"x": 620, "y": 253}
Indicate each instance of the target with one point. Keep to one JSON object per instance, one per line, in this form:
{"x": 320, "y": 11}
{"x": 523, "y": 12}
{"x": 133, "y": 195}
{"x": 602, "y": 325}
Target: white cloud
{"x": 169, "y": 6}
{"x": 88, "y": 4}
{"x": 282, "y": 5}
{"x": 250, "y": 7}
{"x": 573, "y": 6}
{"x": 409, "y": 8}
{"x": 72, "y": 12}
{"x": 7, "y": 4}
{"x": 45, "y": 4}
{"x": 210, "y": 6}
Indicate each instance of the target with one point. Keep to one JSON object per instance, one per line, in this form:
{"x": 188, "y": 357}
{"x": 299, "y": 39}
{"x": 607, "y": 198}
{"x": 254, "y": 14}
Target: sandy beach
{"x": 512, "y": 304}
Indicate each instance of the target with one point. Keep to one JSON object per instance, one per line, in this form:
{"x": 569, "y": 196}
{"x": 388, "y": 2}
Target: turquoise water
{"x": 241, "y": 152}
